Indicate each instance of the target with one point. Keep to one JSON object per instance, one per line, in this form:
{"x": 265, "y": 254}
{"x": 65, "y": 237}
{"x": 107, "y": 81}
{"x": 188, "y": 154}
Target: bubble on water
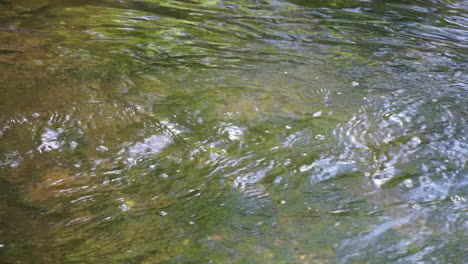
{"x": 73, "y": 144}
{"x": 408, "y": 183}
{"x": 388, "y": 139}
{"x": 457, "y": 199}
{"x": 102, "y": 148}
{"x": 278, "y": 180}
{"x": 414, "y": 141}
{"x": 250, "y": 178}
{"x": 382, "y": 176}
{"x": 354, "y": 83}
{"x": 305, "y": 168}
{"x": 320, "y": 137}
{"x": 328, "y": 168}
{"x": 130, "y": 161}
{"x": 234, "y": 132}
{"x": 50, "y": 140}
{"x": 163, "y": 213}
{"x": 124, "y": 207}
{"x": 317, "y": 114}
{"x": 151, "y": 145}
{"x": 15, "y": 163}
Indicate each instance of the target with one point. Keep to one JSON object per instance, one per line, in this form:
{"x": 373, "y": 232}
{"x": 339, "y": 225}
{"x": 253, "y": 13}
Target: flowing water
{"x": 233, "y": 131}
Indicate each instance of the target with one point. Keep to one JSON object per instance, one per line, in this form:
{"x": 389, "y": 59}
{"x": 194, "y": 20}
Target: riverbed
{"x": 233, "y": 131}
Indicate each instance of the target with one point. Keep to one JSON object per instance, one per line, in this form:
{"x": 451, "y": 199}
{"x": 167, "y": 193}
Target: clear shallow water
{"x": 233, "y": 131}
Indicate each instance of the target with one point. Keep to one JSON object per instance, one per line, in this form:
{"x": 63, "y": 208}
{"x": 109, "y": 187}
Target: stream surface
{"x": 233, "y": 131}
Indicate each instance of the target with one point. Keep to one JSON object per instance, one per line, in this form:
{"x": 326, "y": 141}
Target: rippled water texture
{"x": 218, "y": 131}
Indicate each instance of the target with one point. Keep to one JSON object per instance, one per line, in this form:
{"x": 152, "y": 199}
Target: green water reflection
{"x": 210, "y": 131}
